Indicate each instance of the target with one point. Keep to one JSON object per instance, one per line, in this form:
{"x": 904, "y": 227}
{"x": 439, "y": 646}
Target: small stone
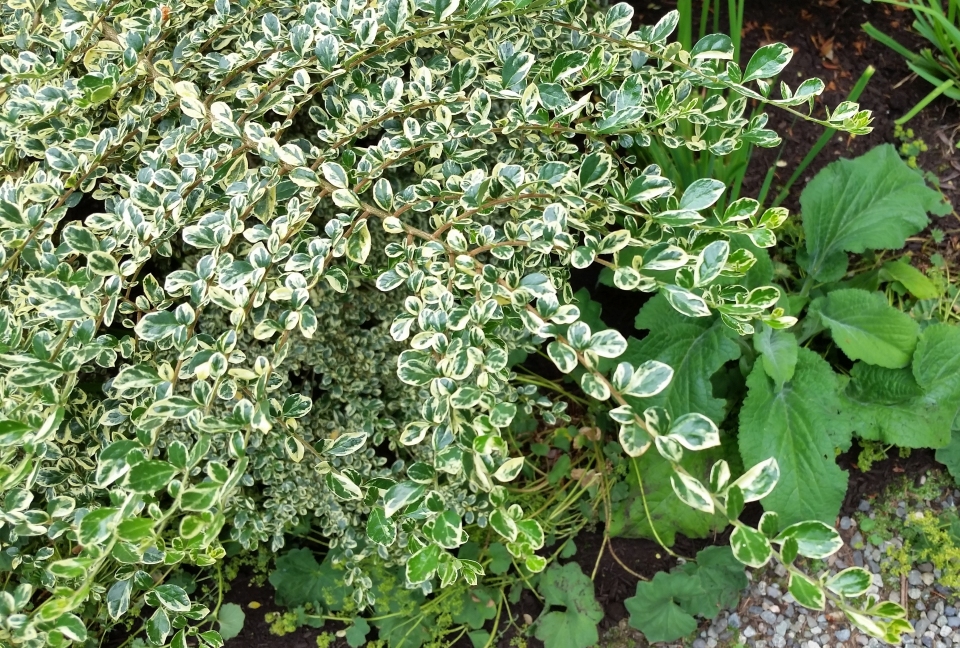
{"x": 894, "y": 597}
{"x": 812, "y": 644}
{"x": 840, "y": 565}
{"x": 780, "y": 570}
{"x": 932, "y": 615}
{"x": 921, "y": 626}
{"x": 927, "y": 641}
{"x": 914, "y": 578}
{"x": 857, "y": 540}
{"x": 946, "y": 630}
{"x": 858, "y": 558}
{"x": 789, "y": 612}
{"x": 953, "y": 621}
{"x": 925, "y": 567}
{"x": 927, "y": 579}
{"x": 921, "y": 606}
{"x": 913, "y": 593}
{"x": 950, "y": 611}
{"x": 712, "y": 643}
{"x": 768, "y": 617}
{"x": 845, "y": 523}
{"x": 756, "y": 609}
{"x": 778, "y": 642}
{"x": 864, "y": 505}
{"x": 734, "y": 620}
{"x": 782, "y": 628}
{"x": 874, "y": 567}
{"x": 699, "y": 643}
{"x": 749, "y": 632}
{"x": 842, "y": 635}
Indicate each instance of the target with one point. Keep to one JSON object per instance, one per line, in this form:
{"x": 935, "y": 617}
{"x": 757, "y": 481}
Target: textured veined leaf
{"x": 778, "y": 353}
{"x": 873, "y": 202}
{"x": 789, "y": 425}
{"x": 867, "y": 328}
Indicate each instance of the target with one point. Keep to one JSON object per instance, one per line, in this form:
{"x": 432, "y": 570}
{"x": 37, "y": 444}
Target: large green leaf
{"x": 796, "y": 425}
{"x": 721, "y": 578}
{"x": 872, "y": 202}
{"x": 670, "y": 515}
{"x": 913, "y": 407}
{"x": 949, "y": 456}
{"x": 867, "y": 328}
{"x": 655, "y": 609}
{"x": 299, "y": 579}
{"x": 576, "y": 626}
{"x": 694, "y": 348}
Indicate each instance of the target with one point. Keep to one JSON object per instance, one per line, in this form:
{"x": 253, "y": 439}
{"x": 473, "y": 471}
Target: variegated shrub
{"x": 200, "y": 203}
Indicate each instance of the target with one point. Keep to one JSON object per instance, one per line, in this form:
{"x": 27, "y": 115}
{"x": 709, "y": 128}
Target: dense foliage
{"x": 283, "y": 271}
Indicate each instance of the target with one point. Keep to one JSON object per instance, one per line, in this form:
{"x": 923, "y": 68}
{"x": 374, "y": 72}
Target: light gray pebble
{"x": 874, "y": 567}
{"x": 925, "y": 567}
{"x": 858, "y": 558}
{"x": 712, "y": 643}
{"x": 953, "y": 622}
{"x": 927, "y": 579}
{"x": 927, "y": 641}
{"x": 749, "y": 632}
{"x": 921, "y": 606}
{"x": 950, "y": 611}
{"x": 864, "y": 505}
{"x": 913, "y": 593}
{"x": 790, "y": 611}
{"x": 782, "y": 628}
{"x": 842, "y": 635}
{"x": 945, "y": 631}
{"x": 768, "y": 617}
{"x": 840, "y": 565}
{"x": 778, "y": 642}
{"x": 699, "y": 643}
{"x": 856, "y": 541}
{"x": 901, "y": 511}
{"x": 921, "y": 626}
{"x": 845, "y": 523}
{"x": 914, "y": 578}
{"x": 734, "y": 620}
{"x": 932, "y": 615}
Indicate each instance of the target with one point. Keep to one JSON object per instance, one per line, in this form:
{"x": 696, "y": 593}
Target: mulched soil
{"x": 829, "y": 43}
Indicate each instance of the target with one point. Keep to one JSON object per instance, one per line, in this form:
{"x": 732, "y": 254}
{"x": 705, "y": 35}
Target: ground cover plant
{"x": 299, "y": 276}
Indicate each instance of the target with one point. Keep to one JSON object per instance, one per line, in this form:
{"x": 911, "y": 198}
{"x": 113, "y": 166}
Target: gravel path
{"x": 768, "y": 616}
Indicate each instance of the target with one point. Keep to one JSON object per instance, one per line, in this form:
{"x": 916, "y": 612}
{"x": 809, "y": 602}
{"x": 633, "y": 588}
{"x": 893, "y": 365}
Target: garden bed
{"x": 829, "y": 43}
